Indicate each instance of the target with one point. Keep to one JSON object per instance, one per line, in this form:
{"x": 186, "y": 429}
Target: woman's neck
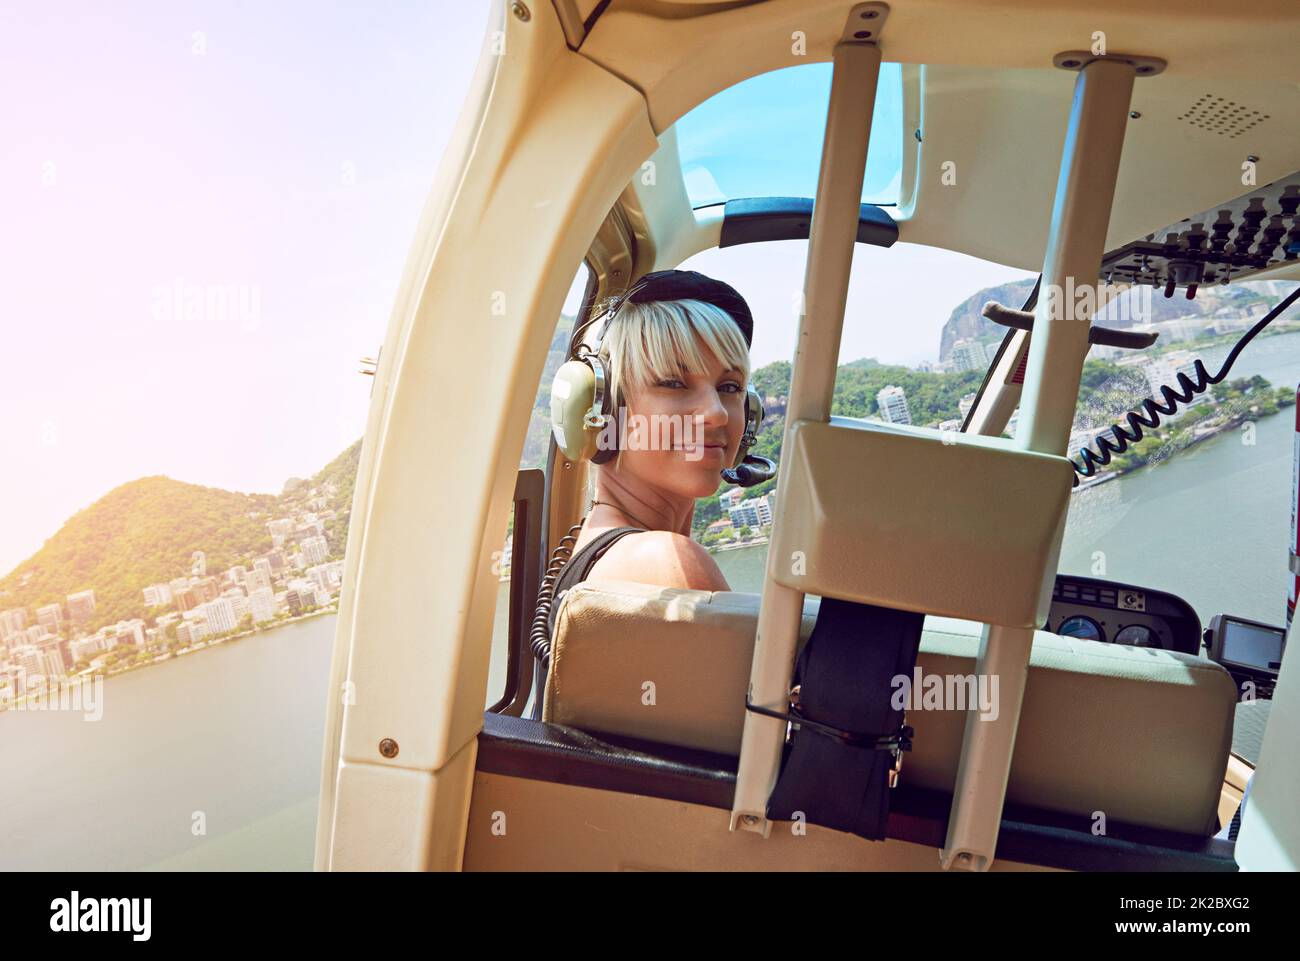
{"x": 624, "y": 502}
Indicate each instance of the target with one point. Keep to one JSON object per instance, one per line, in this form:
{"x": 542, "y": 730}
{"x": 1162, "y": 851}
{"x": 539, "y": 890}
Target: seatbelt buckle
{"x": 904, "y": 744}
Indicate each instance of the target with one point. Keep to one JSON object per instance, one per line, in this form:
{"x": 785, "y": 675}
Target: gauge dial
{"x": 1082, "y": 627}
{"x": 1137, "y": 635}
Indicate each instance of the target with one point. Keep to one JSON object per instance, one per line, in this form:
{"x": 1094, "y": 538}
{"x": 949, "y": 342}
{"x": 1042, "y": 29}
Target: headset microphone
{"x": 751, "y": 471}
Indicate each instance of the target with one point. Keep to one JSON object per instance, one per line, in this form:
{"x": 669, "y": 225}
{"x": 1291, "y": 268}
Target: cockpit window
{"x": 763, "y": 138}
{"x": 1201, "y": 506}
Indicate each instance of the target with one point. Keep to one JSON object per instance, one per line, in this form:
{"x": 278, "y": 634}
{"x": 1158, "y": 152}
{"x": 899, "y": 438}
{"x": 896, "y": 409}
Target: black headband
{"x": 692, "y": 285}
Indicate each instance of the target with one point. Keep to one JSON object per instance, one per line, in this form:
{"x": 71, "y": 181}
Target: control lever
{"x": 1106, "y": 336}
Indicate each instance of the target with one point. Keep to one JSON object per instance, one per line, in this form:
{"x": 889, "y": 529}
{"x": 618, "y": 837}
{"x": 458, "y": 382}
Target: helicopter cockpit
{"x": 979, "y": 626}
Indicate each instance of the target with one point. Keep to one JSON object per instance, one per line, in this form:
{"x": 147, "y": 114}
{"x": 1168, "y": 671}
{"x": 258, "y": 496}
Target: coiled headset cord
{"x": 1187, "y": 389}
{"x": 539, "y": 638}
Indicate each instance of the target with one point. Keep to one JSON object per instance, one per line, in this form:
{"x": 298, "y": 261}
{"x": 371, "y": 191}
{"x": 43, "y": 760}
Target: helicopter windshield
{"x": 763, "y": 138}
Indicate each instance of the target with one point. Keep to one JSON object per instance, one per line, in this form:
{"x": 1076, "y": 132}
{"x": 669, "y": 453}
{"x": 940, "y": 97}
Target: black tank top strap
{"x": 580, "y": 564}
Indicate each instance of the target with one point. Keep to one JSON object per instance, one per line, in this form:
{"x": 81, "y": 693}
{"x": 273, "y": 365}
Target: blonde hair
{"x": 644, "y": 343}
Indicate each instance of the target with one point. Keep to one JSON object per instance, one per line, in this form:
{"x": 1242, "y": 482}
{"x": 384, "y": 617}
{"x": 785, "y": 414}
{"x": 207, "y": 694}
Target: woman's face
{"x": 683, "y": 430}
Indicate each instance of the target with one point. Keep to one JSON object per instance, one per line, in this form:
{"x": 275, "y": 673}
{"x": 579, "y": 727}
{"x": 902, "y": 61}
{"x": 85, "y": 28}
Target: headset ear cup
{"x": 607, "y": 439}
{"x": 753, "y": 421}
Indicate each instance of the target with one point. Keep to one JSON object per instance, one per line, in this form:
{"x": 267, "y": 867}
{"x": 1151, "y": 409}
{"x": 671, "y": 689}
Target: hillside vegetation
{"x": 146, "y": 531}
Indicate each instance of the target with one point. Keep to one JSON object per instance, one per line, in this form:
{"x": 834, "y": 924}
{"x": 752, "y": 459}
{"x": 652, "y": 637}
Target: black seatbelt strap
{"x": 841, "y": 760}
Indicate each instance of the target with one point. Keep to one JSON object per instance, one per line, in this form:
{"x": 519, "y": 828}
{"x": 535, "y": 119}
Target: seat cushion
{"x": 1141, "y": 735}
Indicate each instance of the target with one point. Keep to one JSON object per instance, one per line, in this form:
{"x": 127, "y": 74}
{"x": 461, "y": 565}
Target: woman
{"x": 677, "y": 353}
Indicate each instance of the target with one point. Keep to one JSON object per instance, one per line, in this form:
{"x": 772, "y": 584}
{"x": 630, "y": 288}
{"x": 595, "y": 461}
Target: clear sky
{"x": 275, "y": 158}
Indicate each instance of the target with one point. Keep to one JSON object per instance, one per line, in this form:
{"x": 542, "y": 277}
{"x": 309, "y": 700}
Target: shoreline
{"x": 1192, "y": 439}
{"x": 11, "y": 703}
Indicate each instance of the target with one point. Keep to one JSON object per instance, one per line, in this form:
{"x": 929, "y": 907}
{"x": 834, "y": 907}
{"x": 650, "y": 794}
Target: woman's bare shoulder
{"x": 660, "y": 557}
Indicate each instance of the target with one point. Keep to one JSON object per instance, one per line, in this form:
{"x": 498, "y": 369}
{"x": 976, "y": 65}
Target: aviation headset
{"x": 581, "y": 403}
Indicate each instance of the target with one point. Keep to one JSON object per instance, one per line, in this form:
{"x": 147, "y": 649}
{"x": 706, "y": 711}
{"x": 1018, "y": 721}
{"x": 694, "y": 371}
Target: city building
{"x": 188, "y": 598}
{"x": 721, "y": 526}
{"x": 12, "y": 621}
{"x": 50, "y": 617}
{"x": 969, "y": 355}
{"x": 239, "y": 601}
{"x": 964, "y": 405}
{"x": 128, "y": 632}
{"x": 220, "y": 615}
{"x": 279, "y": 529}
{"x": 258, "y": 578}
{"x": 156, "y": 595}
{"x": 261, "y": 603}
{"x": 81, "y": 606}
{"x": 314, "y": 549}
{"x": 753, "y": 512}
{"x": 191, "y": 632}
{"x": 86, "y": 648}
{"x": 1088, "y": 437}
{"x": 1164, "y": 370}
{"x": 893, "y": 405}
{"x": 52, "y": 655}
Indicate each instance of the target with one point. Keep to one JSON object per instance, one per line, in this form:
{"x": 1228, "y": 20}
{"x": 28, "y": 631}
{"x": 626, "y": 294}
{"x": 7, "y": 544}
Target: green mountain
{"x": 146, "y": 531}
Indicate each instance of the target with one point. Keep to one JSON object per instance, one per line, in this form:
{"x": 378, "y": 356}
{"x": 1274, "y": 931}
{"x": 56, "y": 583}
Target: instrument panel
{"x": 1098, "y": 610}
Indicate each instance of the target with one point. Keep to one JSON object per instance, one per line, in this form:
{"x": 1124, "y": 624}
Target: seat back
{"x": 1141, "y": 735}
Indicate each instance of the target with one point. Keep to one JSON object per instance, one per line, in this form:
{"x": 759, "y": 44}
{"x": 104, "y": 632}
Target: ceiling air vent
{"x": 1222, "y": 116}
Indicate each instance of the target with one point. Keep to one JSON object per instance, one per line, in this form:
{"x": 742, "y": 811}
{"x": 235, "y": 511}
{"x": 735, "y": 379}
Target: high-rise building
{"x": 969, "y": 355}
{"x": 893, "y": 405}
{"x": 220, "y": 615}
{"x": 751, "y": 512}
{"x": 279, "y": 529}
{"x": 52, "y": 653}
{"x": 188, "y": 598}
{"x": 1164, "y": 370}
{"x": 156, "y": 595}
{"x": 191, "y": 632}
{"x": 239, "y": 601}
{"x": 258, "y": 578}
{"x": 129, "y": 632}
{"x": 50, "y": 617}
{"x": 86, "y": 648}
{"x": 12, "y": 621}
{"x": 314, "y": 549}
{"x": 263, "y": 565}
{"x": 262, "y": 604}
{"x": 320, "y": 577}
{"x": 81, "y": 606}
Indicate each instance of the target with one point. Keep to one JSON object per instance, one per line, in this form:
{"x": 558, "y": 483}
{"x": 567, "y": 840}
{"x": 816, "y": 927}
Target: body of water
{"x": 226, "y": 740}
{"x": 230, "y": 738}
